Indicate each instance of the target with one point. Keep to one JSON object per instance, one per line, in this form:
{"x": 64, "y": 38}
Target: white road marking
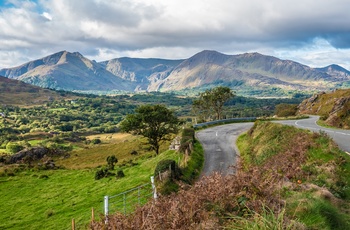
{"x": 321, "y": 128}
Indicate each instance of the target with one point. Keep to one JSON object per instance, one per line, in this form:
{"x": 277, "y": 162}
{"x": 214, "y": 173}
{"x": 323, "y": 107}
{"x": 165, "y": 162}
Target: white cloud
{"x": 47, "y": 16}
{"x": 176, "y": 29}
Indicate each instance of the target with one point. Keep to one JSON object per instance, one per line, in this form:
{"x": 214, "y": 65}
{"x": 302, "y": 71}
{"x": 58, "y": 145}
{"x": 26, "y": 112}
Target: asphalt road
{"x": 340, "y": 136}
{"x": 219, "y": 144}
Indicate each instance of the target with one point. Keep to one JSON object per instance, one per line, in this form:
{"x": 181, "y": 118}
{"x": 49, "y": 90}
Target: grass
{"x": 316, "y": 179}
{"x": 194, "y": 166}
{"x": 267, "y": 220}
{"x": 50, "y": 199}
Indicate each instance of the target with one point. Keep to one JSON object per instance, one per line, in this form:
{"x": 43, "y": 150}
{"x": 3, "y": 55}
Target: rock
{"x": 32, "y": 154}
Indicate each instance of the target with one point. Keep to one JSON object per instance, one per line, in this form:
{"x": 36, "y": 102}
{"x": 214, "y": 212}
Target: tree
{"x": 212, "y": 100}
{"x": 155, "y": 122}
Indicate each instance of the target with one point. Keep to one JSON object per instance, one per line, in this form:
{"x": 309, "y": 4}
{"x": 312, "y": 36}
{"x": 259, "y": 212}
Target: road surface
{"x": 219, "y": 143}
{"x": 340, "y": 136}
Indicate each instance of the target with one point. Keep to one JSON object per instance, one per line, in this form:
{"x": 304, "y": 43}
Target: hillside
{"x": 333, "y": 107}
{"x": 18, "y": 93}
{"x": 250, "y": 74}
{"x": 293, "y": 180}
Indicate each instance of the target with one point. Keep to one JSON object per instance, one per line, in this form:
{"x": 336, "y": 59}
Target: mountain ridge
{"x": 246, "y": 72}
{"x": 19, "y": 93}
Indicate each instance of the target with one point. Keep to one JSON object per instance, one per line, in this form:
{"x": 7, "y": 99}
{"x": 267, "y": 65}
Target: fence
{"x": 224, "y": 121}
{"x": 126, "y": 202}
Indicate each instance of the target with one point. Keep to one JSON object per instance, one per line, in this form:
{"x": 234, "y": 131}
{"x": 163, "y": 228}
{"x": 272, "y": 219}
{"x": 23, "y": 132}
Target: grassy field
{"x": 50, "y": 199}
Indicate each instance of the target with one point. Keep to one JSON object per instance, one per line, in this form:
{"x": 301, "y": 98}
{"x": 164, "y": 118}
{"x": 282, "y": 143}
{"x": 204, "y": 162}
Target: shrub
{"x": 96, "y": 141}
{"x": 111, "y": 160}
{"x": 285, "y": 110}
{"x": 120, "y": 174}
{"x": 103, "y": 172}
{"x": 12, "y": 147}
{"x": 187, "y": 139}
{"x": 170, "y": 186}
{"x": 188, "y": 132}
{"x": 167, "y": 164}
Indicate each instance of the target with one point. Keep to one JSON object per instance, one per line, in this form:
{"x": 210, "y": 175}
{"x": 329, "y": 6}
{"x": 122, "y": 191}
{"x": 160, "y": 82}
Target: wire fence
{"x": 127, "y": 201}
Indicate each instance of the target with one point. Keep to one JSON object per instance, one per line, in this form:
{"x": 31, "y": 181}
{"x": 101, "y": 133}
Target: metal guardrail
{"x": 224, "y": 121}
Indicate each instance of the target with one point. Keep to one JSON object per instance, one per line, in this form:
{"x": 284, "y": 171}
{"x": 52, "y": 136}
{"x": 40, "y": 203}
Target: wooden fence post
{"x": 73, "y": 224}
{"x": 92, "y": 214}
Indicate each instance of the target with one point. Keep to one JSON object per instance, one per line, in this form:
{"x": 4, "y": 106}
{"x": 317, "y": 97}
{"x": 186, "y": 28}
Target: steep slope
{"x": 18, "y": 93}
{"x": 68, "y": 71}
{"x": 333, "y": 107}
{"x": 139, "y": 70}
{"x": 250, "y": 69}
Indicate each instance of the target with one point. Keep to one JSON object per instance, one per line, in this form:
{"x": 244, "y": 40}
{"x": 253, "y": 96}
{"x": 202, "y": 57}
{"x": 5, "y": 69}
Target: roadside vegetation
{"x": 287, "y": 179}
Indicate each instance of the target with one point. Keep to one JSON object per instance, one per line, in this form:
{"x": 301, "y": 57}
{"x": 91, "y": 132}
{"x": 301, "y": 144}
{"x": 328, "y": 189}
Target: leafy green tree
{"x": 212, "y": 100}
{"x": 155, "y": 122}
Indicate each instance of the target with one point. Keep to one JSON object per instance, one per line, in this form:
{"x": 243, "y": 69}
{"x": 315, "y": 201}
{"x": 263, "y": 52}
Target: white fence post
{"x": 154, "y": 188}
{"x": 106, "y": 206}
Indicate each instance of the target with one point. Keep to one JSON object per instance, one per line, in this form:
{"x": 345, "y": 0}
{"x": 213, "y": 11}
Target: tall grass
{"x": 266, "y": 220}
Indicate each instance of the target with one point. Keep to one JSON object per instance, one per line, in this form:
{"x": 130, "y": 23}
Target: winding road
{"x": 219, "y": 143}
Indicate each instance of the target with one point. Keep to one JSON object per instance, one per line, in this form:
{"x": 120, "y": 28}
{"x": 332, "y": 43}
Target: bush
{"x": 111, "y": 160}
{"x": 103, "y": 172}
{"x": 167, "y": 164}
{"x": 96, "y": 141}
{"x": 285, "y": 110}
{"x": 169, "y": 187}
{"x": 187, "y": 139}
{"x": 188, "y": 132}
{"x": 120, "y": 174}
{"x": 12, "y": 147}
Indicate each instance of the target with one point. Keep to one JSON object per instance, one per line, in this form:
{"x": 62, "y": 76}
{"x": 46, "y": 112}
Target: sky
{"x": 312, "y": 32}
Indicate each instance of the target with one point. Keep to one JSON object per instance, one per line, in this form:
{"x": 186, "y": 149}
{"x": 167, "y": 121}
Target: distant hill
{"x": 336, "y": 71}
{"x": 251, "y": 74}
{"x": 333, "y": 107}
{"x": 251, "y": 71}
{"x": 67, "y": 71}
{"x": 18, "y": 93}
{"x": 143, "y": 72}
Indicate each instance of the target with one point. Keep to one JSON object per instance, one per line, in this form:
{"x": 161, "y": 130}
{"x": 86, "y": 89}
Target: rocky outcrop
{"x": 333, "y": 107}
{"x": 32, "y": 154}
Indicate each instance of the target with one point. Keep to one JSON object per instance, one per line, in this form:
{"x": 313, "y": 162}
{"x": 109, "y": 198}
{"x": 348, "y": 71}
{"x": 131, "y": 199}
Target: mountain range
{"x": 247, "y": 74}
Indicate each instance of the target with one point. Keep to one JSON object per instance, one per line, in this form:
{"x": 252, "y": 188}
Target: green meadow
{"x": 50, "y": 199}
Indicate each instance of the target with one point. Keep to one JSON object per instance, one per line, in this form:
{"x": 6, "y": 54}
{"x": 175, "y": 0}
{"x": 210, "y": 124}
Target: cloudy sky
{"x": 312, "y": 32}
